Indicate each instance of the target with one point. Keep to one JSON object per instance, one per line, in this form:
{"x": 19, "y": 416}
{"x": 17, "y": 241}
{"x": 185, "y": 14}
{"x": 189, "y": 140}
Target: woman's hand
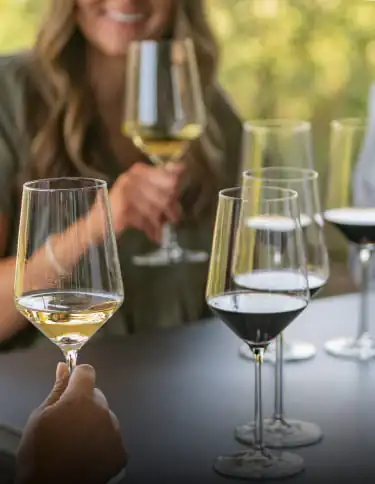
{"x": 73, "y": 436}
{"x": 145, "y": 197}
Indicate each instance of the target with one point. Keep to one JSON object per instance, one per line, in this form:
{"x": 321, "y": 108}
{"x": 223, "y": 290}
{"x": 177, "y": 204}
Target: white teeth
{"x": 124, "y": 17}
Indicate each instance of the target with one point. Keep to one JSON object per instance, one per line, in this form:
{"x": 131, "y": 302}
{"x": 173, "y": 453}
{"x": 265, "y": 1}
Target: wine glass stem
{"x": 364, "y": 253}
{"x": 71, "y": 359}
{"x": 169, "y": 237}
{"x": 279, "y": 394}
{"x": 258, "y": 354}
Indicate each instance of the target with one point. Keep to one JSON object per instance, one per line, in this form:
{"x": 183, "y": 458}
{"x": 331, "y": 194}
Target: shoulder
{"x": 221, "y": 103}
{"x": 223, "y": 110}
{"x": 13, "y": 74}
{"x": 14, "y": 67}
{"x": 230, "y": 129}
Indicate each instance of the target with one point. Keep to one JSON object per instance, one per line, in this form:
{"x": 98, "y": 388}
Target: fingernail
{"x": 87, "y": 368}
{"x": 60, "y": 370}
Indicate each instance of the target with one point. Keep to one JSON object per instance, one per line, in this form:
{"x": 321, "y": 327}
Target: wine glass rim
{"x": 293, "y": 174}
{"x": 277, "y": 124}
{"x": 92, "y": 184}
{"x": 349, "y": 122}
{"x": 283, "y": 193}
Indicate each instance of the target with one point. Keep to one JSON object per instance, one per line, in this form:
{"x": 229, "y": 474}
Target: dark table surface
{"x": 179, "y": 393}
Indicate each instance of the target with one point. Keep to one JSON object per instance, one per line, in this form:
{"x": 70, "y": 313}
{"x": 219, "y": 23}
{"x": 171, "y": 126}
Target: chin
{"x": 112, "y": 51}
{"x": 114, "y": 47}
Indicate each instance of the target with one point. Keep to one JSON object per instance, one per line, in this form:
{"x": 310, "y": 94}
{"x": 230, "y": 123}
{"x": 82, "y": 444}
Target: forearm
{"x": 11, "y": 322}
{"x": 42, "y": 271}
{"x": 56, "y": 259}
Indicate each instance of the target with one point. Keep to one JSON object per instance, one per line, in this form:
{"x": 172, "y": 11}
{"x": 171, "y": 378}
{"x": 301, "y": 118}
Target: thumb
{"x": 81, "y": 382}
{"x": 175, "y": 167}
{"x": 62, "y": 380}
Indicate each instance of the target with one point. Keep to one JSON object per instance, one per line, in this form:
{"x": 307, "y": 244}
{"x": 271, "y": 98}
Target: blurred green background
{"x": 311, "y": 59}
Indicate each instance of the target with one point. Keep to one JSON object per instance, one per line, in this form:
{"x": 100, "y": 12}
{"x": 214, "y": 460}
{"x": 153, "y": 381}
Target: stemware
{"x": 68, "y": 281}
{"x": 164, "y": 113}
{"x": 243, "y": 290}
{"x": 279, "y": 431}
{"x": 278, "y": 143}
{"x": 354, "y": 216}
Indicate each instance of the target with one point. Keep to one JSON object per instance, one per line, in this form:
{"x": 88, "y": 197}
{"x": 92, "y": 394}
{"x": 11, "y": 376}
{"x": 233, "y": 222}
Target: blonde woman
{"x": 60, "y": 114}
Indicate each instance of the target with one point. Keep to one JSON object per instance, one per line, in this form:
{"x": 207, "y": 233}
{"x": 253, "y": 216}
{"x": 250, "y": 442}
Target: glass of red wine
{"x": 278, "y": 143}
{"x": 349, "y": 212}
{"x": 241, "y": 291}
{"x": 280, "y": 432}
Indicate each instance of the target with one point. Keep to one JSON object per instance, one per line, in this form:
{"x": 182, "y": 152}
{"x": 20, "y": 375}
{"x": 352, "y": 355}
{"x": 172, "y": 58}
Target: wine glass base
{"x": 295, "y": 351}
{"x": 362, "y": 349}
{"x": 254, "y": 464}
{"x": 277, "y": 434}
{"x": 166, "y": 257}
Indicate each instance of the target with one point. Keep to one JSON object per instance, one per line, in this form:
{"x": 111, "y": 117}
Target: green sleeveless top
{"x": 154, "y": 296}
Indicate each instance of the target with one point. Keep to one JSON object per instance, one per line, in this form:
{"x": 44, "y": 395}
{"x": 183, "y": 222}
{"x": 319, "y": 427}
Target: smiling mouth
{"x": 125, "y": 18}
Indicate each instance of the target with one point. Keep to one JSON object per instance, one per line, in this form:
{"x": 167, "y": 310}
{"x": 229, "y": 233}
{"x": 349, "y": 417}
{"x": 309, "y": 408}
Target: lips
{"x": 125, "y": 18}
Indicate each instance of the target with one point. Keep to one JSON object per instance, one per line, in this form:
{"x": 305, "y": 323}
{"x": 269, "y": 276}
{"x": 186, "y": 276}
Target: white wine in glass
{"x": 68, "y": 280}
{"x": 164, "y": 113}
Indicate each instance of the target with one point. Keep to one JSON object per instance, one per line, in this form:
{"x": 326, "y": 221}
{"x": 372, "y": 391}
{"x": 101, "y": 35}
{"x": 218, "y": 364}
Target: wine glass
{"x": 278, "y": 143}
{"x": 244, "y": 292}
{"x": 68, "y": 281}
{"x": 164, "y": 113}
{"x": 278, "y": 431}
{"x": 356, "y": 221}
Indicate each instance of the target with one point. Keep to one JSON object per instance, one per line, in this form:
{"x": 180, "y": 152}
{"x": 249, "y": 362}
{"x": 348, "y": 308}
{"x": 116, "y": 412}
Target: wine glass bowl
{"x": 241, "y": 291}
{"x": 164, "y": 114}
{"x": 68, "y": 281}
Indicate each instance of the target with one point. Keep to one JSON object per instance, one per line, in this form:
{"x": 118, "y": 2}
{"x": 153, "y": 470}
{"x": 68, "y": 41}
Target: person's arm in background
{"x": 10, "y": 320}
{"x": 364, "y": 183}
{"x": 143, "y": 198}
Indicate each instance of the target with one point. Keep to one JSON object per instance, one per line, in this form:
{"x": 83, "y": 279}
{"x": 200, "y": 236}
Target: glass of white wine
{"x": 164, "y": 113}
{"x": 68, "y": 280}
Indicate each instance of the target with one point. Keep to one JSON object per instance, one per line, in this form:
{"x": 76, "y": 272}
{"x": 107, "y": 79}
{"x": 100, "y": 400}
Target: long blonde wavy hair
{"x": 62, "y": 116}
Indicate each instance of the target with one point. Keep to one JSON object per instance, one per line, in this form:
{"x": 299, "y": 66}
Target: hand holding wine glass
{"x": 145, "y": 197}
{"x": 68, "y": 281}
{"x": 74, "y": 424}
{"x": 242, "y": 290}
{"x": 164, "y": 113}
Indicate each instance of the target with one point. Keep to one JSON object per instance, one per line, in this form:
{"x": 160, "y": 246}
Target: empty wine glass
{"x": 280, "y": 432}
{"x": 68, "y": 281}
{"x": 356, "y": 221}
{"x": 278, "y": 143}
{"x": 244, "y": 291}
